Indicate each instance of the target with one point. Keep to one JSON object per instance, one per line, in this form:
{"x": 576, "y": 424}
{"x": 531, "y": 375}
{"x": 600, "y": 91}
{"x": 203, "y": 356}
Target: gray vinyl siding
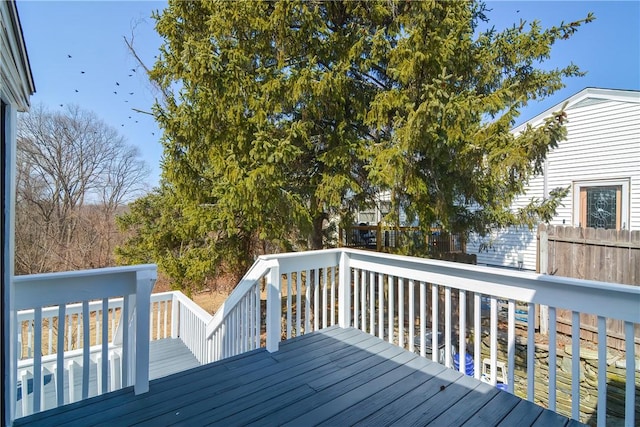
{"x": 603, "y": 143}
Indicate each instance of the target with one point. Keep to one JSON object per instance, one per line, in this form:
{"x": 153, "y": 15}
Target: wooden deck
{"x": 166, "y": 357}
{"x": 330, "y": 377}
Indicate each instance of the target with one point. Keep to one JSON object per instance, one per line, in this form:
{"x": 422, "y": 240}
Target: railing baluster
{"x": 552, "y": 358}
{"x": 245, "y": 324}
{"x": 333, "y": 272}
{"x": 363, "y": 300}
{"x": 307, "y": 302}
{"x": 356, "y": 298}
{"x": 60, "y": 355}
{"x": 401, "y": 312}
{"x": 602, "y": 371}
{"x": 325, "y": 306}
{"x": 162, "y": 314}
{"x": 157, "y": 310}
{"x": 372, "y": 303}
{"x": 412, "y": 315}
{"x": 380, "y": 306}
{"x": 493, "y": 334}
{"x": 462, "y": 330}
{"x": 391, "y": 313}
{"x": 630, "y": 388}
{"x": 126, "y": 349}
{"x": 447, "y": 329}
{"x": 531, "y": 348}
{"x": 316, "y": 299}
{"x": 477, "y": 331}
{"x": 435, "y": 301}
{"x": 105, "y": 344}
{"x": 258, "y": 321}
{"x": 288, "y": 305}
{"x": 423, "y": 320}
{"x": 511, "y": 345}
{"x": 37, "y": 361}
{"x": 24, "y": 385}
{"x": 251, "y": 310}
{"x": 575, "y": 365}
{"x": 299, "y": 310}
{"x": 86, "y": 361}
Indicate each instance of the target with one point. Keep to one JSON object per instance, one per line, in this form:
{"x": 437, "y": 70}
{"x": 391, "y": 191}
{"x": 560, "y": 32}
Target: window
{"x": 602, "y": 204}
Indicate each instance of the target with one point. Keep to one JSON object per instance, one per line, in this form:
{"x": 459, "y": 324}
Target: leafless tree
{"x": 73, "y": 173}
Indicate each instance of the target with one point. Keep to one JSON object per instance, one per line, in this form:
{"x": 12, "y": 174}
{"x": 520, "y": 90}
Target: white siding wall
{"x": 603, "y": 142}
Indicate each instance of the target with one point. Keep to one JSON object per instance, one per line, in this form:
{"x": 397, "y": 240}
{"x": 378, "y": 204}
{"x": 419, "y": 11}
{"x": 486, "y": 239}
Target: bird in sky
{"x": 130, "y": 93}
{"x": 130, "y": 75}
{"x": 68, "y": 56}
{"x": 115, "y": 93}
{"x": 117, "y": 84}
{"x": 76, "y": 90}
{"x": 81, "y": 72}
{"x": 133, "y": 69}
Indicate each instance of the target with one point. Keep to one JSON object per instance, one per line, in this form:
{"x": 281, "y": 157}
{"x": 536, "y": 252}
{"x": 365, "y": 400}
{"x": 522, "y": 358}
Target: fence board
{"x": 593, "y": 254}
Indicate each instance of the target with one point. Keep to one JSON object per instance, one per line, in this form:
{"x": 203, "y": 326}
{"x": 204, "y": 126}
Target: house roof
{"x": 584, "y": 97}
{"x": 16, "y": 51}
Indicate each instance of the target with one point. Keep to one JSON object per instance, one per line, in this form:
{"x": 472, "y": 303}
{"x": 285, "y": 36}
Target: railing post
{"x": 344, "y": 291}
{"x": 144, "y": 284}
{"x": 273, "y": 323}
{"x": 175, "y": 312}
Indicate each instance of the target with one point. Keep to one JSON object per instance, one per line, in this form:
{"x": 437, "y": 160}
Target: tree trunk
{"x": 316, "y": 239}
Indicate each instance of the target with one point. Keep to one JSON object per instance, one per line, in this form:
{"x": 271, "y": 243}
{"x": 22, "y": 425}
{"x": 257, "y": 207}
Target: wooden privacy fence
{"x": 592, "y": 254}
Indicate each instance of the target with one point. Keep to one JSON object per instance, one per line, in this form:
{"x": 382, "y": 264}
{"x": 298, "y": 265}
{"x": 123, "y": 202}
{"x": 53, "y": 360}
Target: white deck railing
{"x": 175, "y": 315}
{"x": 74, "y": 319}
{"x": 400, "y": 298}
{"x": 171, "y": 315}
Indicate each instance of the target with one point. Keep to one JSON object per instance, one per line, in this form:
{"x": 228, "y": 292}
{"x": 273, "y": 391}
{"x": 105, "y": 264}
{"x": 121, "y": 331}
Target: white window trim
{"x": 624, "y": 207}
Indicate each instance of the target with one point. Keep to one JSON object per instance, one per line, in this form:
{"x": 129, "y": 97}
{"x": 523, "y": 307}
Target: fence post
{"x": 273, "y": 322}
{"x": 344, "y": 292}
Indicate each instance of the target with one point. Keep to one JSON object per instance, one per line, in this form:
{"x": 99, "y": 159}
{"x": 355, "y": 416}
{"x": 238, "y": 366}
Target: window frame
{"x": 624, "y": 183}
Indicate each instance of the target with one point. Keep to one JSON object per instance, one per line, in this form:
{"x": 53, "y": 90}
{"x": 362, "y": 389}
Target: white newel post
{"x": 344, "y": 292}
{"x": 273, "y": 309}
{"x": 544, "y": 269}
{"x": 144, "y": 285}
{"x": 175, "y": 312}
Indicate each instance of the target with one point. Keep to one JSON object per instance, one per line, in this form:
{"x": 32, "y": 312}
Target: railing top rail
{"x": 257, "y": 270}
{"x": 198, "y": 311}
{"x": 587, "y": 296}
{"x": 41, "y": 290}
{"x": 61, "y": 275}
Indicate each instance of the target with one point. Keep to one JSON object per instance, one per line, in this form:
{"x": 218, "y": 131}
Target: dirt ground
{"x": 210, "y": 300}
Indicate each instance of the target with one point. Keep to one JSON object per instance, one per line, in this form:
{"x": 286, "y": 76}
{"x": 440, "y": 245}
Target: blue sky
{"x": 92, "y": 32}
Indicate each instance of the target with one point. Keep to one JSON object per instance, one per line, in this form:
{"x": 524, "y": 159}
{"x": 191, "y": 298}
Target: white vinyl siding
{"x": 603, "y": 143}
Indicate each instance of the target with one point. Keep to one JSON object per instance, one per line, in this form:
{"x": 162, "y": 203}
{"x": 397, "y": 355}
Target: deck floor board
{"x": 331, "y": 377}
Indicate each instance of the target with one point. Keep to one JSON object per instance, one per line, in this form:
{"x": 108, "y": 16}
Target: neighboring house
{"x": 599, "y": 162}
{"x": 16, "y": 86}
